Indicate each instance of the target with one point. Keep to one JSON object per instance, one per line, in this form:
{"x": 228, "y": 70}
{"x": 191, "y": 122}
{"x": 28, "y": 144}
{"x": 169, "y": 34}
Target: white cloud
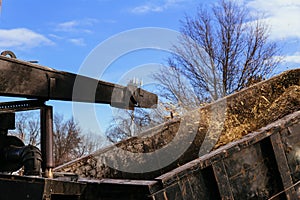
{"x": 67, "y": 26}
{"x": 77, "y": 41}
{"x": 22, "y": 38}
{"x": 295, "y": 58}
{"x": 147, "y": 8}
{"x": 156, "y": 6}
{"x": 55, "y": 36}
{"x": 282, "y": 15}
{"x": 76, "y": 25}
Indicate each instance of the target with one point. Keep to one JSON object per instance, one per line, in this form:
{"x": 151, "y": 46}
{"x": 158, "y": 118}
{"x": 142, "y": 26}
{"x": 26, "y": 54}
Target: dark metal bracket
{"x": 46, "y": 123}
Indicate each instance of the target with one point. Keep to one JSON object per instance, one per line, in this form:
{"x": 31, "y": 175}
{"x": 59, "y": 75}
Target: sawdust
{"x": 263, "y": 112}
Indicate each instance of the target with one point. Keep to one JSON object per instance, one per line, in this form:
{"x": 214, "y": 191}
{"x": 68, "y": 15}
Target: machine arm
{"x": 24, "y": 79}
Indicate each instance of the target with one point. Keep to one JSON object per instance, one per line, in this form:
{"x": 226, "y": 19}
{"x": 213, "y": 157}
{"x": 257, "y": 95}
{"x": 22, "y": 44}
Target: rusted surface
{"x": 256, "y": 156}
{"x": 246, "y": 111}
{"x": 8, "y": 53}
{"x": 110, "y": 189}
{"x": 251, "y": 168}
{"x": 291, "y": 145}
{"x": 17, "y": 187}
{"x": 27, "y": 80}
{"x": 46, "y": 120}
{"x": 24, "y": 79}
{"x": 257, "y": 177}
{"x": 282, "y": 164}
{"x": 68, "y": 188}
{"x": 15, "y": 106}
{"x": 222, "y": 179}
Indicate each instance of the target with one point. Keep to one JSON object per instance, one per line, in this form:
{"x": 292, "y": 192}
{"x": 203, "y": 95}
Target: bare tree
{"x": 128, "y": 123}
{"x": 223, "y": 49}
{"x": 90, "y": 142}
{"x": 28, "y": 127}
{"x": 69, "y": 140}
{"x": 175, "y": 87}
{"x": 66, "y": 140}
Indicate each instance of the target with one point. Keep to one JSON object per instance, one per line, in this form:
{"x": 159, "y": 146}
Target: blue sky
{"x": 61, "y": 34}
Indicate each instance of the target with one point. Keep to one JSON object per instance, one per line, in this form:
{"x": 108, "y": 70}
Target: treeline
{"x": 70, "y": 141}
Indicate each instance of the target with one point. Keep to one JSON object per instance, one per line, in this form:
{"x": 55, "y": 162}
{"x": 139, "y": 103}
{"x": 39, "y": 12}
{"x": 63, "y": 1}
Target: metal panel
{"x": 283, "y": 166}
{"x": 23, "y": 79}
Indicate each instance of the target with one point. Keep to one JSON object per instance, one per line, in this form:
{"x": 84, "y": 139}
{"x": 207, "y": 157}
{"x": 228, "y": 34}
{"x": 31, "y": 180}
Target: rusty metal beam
{"x": 47, "y": 140}
{"x": 15, "y": 106}
{"x": 24, "y": 79}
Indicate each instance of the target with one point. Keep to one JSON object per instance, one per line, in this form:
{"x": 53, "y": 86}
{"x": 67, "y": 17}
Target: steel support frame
{"x": 46, "y": 123}
{"x": 46, "y": 120}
